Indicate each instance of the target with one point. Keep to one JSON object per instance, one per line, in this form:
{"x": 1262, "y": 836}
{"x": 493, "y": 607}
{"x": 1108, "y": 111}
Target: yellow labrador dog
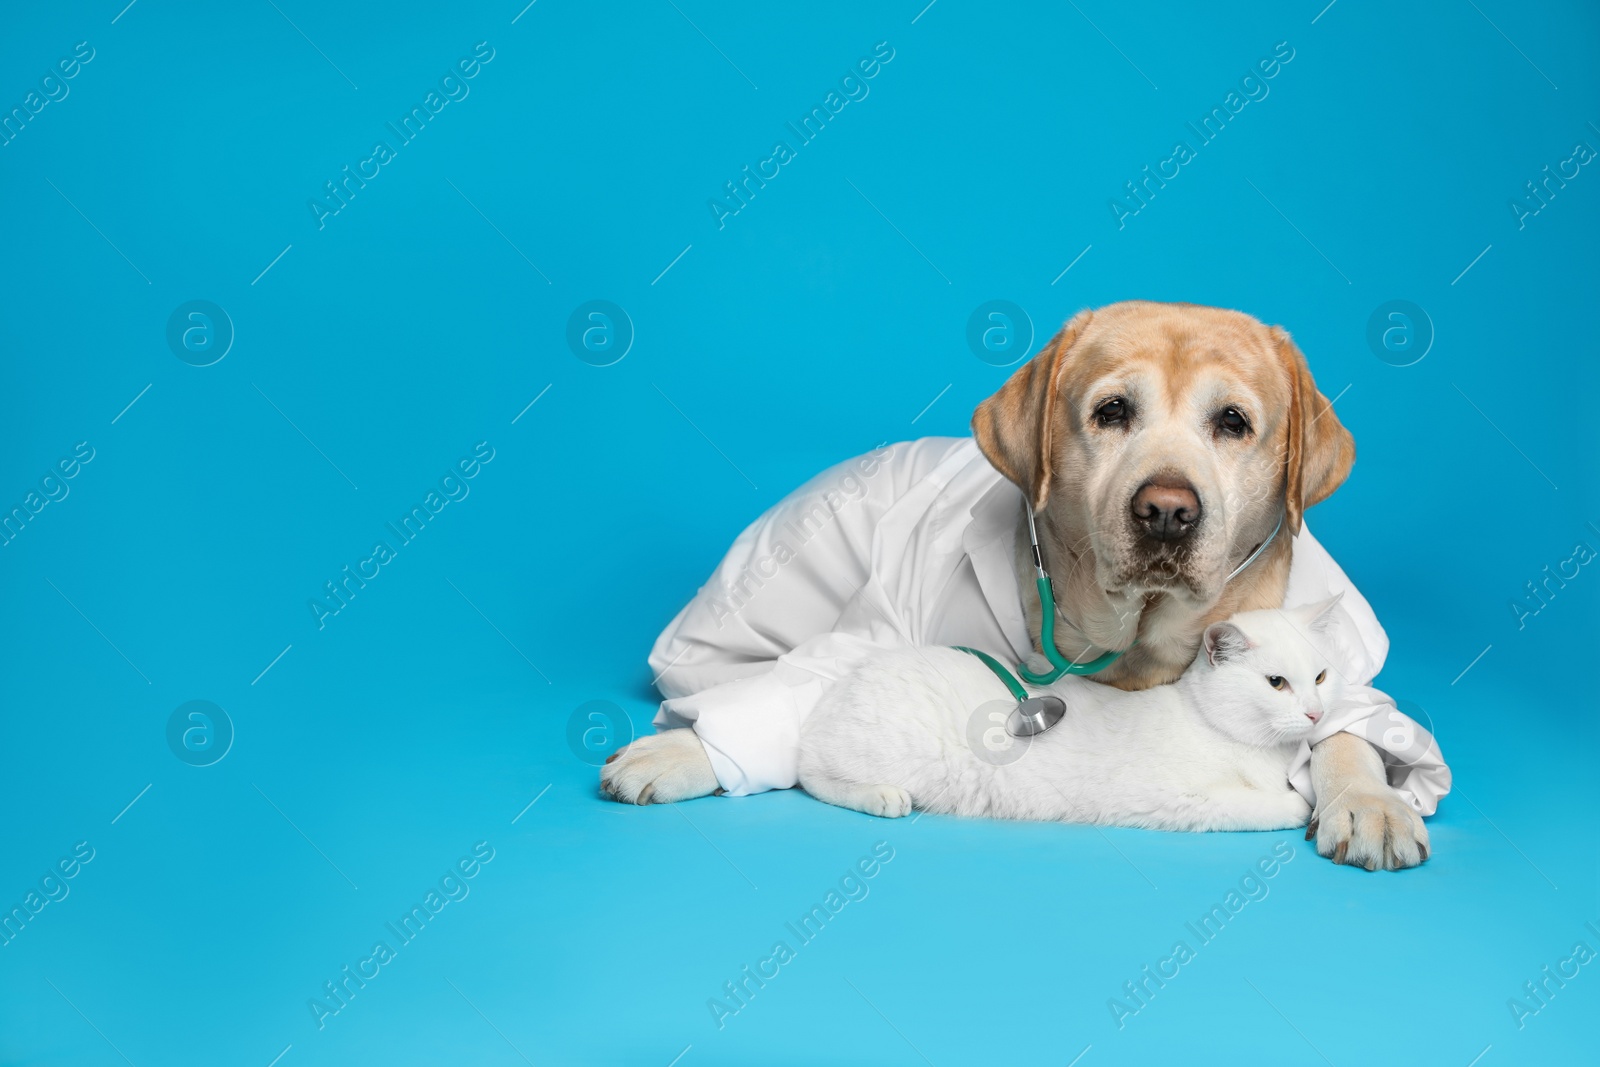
{"x": 1159, "y": 445}
{"x": 1128, "y": 419}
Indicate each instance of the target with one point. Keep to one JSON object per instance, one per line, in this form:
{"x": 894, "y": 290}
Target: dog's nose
{"x": 1166, "y": 508}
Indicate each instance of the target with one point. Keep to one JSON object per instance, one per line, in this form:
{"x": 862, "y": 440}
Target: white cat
{"x": 924, "y": 728}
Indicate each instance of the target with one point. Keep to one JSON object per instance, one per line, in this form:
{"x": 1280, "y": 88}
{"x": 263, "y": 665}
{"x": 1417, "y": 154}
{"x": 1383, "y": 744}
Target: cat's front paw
{"x": 886, "y": 801}
{"x": 1296, "y": 811}
{"x": 1369, "y": 829}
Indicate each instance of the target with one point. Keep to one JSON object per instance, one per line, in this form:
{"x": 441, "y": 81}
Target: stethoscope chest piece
{"x": 1035, "y": 715}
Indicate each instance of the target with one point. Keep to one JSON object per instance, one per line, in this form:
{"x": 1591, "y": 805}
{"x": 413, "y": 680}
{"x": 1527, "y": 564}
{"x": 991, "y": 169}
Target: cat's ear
{"x": 1224, "y": 641}
{"x": 1320, "y": 617}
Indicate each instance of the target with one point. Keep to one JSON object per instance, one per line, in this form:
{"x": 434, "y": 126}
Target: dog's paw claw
{"x": 1375, "y": 830}
{"x": 659, "y": 768}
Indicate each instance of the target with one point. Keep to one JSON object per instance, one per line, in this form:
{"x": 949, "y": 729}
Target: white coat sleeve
{"x": 799, "y": 601}
{"x": 1412, "y": 761}
{"x": 750, "y": 727}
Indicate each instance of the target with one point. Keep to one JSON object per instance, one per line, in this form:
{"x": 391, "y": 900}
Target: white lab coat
{"x": 913, "y": 544}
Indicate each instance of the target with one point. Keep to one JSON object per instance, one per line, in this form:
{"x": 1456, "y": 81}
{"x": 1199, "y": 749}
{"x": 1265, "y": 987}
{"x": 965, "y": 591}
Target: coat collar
{"x": 990, "y": 543}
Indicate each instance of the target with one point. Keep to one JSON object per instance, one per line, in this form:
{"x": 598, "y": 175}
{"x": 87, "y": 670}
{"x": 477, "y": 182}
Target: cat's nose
{"x": 1313, "y": 715}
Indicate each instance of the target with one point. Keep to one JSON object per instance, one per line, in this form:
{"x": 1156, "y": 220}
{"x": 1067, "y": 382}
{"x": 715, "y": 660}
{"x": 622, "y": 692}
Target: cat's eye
{"x": 1322, "y": 677}
{"x": 1276, "y": 681}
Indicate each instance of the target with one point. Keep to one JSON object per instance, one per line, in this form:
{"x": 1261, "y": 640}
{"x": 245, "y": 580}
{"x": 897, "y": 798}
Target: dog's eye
{"x": 1233, "y": 422}
{"x": 1276, "y": 681}
{"x": 1113, "y": 412}
{"x": 1322, "y": 677}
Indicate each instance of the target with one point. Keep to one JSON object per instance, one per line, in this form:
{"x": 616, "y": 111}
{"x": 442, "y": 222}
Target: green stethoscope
{"x": 1034, "y": 715}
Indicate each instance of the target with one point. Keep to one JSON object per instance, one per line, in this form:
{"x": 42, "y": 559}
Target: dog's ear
{"x": 1015, "y": 427}
{"x": 1319, "y": 450}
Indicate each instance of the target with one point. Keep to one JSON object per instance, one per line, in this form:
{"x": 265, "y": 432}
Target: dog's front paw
{"x": 660, "y": 768}
{"x": 1371, "y": 830}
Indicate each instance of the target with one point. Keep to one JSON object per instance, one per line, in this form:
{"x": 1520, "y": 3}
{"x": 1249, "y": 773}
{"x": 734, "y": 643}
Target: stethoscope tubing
{"x": 1060, "y": 665}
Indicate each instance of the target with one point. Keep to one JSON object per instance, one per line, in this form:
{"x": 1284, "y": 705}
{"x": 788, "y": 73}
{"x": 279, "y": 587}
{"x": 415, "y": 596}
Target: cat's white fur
{"x": 924, "y": 728}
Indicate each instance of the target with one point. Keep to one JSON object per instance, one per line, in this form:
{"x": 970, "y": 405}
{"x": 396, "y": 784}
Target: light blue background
{"x": 827, "y": 316}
